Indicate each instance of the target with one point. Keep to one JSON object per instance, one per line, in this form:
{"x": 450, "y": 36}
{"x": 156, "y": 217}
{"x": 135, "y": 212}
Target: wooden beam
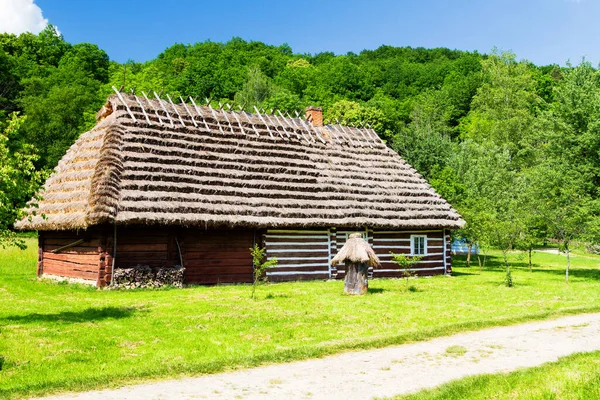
{"x": 68, "y": 246}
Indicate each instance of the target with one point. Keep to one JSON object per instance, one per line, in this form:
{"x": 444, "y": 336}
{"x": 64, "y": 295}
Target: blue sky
{"x": 542, "y": 31}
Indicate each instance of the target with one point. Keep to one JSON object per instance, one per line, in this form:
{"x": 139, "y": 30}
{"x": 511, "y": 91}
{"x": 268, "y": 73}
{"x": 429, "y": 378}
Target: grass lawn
{"x": 573, "y": 377}
{"x": 58, "y": 337}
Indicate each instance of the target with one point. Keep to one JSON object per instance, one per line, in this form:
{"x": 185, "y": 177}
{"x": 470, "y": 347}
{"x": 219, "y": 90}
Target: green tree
{"x": 18, "y": 181}
{"x": 502, "y": 110}
{"x": 256, "y": 90}
{"x": 260, "y": 266}
{"x": 563, "y": 204}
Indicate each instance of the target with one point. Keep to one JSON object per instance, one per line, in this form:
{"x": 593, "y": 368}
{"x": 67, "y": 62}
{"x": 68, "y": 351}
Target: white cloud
{"x": 20, "y": 16}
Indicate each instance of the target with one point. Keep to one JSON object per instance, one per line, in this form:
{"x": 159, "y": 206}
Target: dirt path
{"x": 383, "y": 372}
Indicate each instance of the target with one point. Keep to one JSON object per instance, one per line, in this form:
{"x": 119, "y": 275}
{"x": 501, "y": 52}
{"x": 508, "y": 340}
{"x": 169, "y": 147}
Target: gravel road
{"x": 382, "y": 372}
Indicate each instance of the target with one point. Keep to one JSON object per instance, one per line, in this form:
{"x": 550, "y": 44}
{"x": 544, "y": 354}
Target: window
{"x": 418, "y": 245}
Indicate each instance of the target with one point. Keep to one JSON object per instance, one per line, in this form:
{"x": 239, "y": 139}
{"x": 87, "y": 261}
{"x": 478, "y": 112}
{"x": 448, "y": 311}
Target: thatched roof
{"x": 159, "y": 163}
{"x": 356, "y": 250}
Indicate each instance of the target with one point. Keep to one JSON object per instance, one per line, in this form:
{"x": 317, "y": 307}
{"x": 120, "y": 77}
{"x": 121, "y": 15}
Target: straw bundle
{"x": 356, "y": 250}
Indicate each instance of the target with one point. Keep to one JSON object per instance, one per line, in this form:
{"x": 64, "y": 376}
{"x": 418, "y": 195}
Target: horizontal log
{"x": 197, "y": 271}
{"x": 298, "y": 277}
{"x": 323, "y": 269}
{"x": 302, "y": 261}
{"x": 150, "y": 231}
{"x": 72, "y": 250}
{"x": 432, "y": 235}
{"x": 211, "y": 255}
{"x": 232, "y": 236}
{"x": 141, "y": 255}
{"x": 73, "y": 258}
{"x": 66, "y": 241}
{"x": 276, "y": 240}
{"x": 215, "y": 263}
{"x": 151, "y": 263}
{"x": 141, "y": 246}
{"x": 432, "y": 242}
{"x": 206, "y": 247}
{"x": 141, "y": 240}
{"x": 308, "y": 253}
{"x": 58, "y": 268}
{"x": 215, "y": 279}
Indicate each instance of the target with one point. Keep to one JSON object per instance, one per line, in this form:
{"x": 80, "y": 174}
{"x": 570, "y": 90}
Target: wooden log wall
{"x": 217, "y": 256}
{"x": 149, "y": 246}
{"x": 81, "y": 261}
{"x": 105, "y": 263}
{"x": 301, "y": 254}
{"x": 223, "y": 256}
{"x": 433, "y": 263}
{"x": 448, "y": 247}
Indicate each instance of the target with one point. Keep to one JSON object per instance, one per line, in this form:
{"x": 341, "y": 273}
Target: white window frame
{"x": 412, "y": 244}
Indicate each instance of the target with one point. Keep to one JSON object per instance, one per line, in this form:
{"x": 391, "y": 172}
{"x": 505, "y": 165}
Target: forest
{"x": 514, "y": 147}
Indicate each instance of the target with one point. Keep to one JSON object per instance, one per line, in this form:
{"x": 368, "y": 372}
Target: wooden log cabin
{"x": 161, "y": 184}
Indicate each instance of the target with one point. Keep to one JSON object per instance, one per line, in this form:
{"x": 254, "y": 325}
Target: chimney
{"x": 314, "y": 115}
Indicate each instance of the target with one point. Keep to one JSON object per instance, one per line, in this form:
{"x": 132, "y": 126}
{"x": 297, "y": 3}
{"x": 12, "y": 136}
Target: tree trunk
{"x": 356, "y": 281}
{"x": 469, "y": 247}
{"x": 530, "y": 265}
{"x": 568, "y": 261}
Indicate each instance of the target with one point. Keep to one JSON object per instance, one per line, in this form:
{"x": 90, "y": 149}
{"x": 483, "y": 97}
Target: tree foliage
{"x": 19, "y": 180}
{"x": 513, "y": 146}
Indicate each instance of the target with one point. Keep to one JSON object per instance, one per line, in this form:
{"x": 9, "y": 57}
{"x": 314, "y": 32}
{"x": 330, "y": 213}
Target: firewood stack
{"x": 143, "y": 276}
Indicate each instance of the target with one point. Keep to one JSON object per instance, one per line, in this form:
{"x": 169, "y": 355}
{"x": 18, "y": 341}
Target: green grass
{"x": 61, "y": 337}
{"x": 573, "y": 377}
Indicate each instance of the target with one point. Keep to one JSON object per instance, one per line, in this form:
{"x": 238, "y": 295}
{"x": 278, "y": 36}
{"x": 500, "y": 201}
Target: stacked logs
{"x": 143, "y": 276}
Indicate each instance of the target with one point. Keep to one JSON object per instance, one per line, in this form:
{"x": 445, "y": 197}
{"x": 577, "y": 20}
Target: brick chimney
{"x": 314, "y": 115}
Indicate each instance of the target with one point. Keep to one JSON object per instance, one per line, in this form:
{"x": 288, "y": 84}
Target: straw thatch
{"x": 182, "y": 165}
{"x": 356, "y": 250}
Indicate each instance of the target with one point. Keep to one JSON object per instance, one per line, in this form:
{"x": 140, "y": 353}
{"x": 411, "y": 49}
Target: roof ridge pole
{"x": 349, "y": 135}
{"x": 309, "y": 127}
{"x": 144, "y": 111}
{"x": 226, "y": 119}
{"x": 282, "y": 126}
{"x": 299, "y": 129}
{"x": 214, "y": 114}
{"x": 362, "y": 124}
{"x": 358, "y": 141}
{"x": 237, "y": 120}
{"x": 200, "y": 115}
{"x": 176, "y": 111}
{"x": 124, "y": 103}
{"x": 265, "y": 122}
{"x": 331, "y": 128}
{"x": 310, "y": 139}
{"x": 245, "y": 114}
{"x": 342, "y": 131}
{"x": 304, "y": 126}
{"x": 188, "y": 111}
{"x": 150, "y": 105}
{"x": 289, "y": 125}
{"x": 377, "y": 139}
{"x": 164, "y": 109}
{"x": 275, "y": 126}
